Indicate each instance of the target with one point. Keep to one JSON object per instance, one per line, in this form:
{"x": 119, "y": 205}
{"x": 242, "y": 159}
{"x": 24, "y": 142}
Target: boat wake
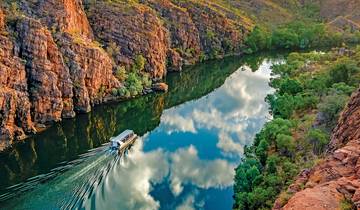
{"x": 84, "y": 175}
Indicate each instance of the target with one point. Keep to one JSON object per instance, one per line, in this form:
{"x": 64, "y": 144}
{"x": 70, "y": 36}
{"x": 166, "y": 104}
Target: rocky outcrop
{"x": 14, "y": 100}
{"x": 50, "y": 87}
{"x": 60, "y": 15}
{"x": 135, "y": 30}
{"x": 221, "y": 33}
{"x": 61, "y": 68}
{"x": 90, "y": 70}
{"x": 184, "y": 36}
{"x": 337, "y": 178}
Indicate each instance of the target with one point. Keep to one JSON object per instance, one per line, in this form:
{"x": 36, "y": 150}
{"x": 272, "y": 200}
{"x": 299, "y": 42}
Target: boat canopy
{"x": 123, "y": 135}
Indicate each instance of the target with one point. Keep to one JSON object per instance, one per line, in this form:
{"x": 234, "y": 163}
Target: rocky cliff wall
{"x": 336, "y": 179}
{"x": 64, "y": 57}
{"x": 14, "y": 98}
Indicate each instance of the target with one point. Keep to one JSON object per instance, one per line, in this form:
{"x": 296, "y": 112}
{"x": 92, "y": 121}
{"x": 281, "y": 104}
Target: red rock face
{"x": 2, "y": 19}
{"x": 61, "y": 69}
{"x": 14, "y": 101}
{"x": 338, "y": 176}
{"x": 63, "y": 15}
{"x": 50, "y": 87}
{"x": 136, "y": 30}
{"x": 91, "y": 72}
{"x": 184, "y": 36}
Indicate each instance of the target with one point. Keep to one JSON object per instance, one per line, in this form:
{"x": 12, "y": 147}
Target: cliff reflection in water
{"x": 192, "y": 148}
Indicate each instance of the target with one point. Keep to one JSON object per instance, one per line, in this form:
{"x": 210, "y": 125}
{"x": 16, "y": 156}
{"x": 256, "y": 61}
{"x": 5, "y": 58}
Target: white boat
{"x": 123, "y": 140}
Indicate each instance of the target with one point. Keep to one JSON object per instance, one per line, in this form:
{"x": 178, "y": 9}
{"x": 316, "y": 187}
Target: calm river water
{"x": 191, "y": 139}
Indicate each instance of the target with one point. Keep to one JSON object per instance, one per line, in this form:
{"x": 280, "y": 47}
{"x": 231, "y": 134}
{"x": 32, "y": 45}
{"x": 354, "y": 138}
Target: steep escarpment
{"x": 133, "y": 29}
{"x": 59, "y": 69}
{"x": 50, "y": 88}
{"x": 90, "y": 68}
{"x": 68, "y": 59}
{"x": 184, "y": 35}
{"x": 14, "y": 98}
{"x": 335, "y": 180}
{"x": 76, "y": 54}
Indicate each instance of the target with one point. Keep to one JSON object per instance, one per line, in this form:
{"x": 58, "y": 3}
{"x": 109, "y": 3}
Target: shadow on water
{"x": 73, "y": 142}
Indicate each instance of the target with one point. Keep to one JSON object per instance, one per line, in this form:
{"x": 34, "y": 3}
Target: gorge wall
{"x": 59, "y": 57}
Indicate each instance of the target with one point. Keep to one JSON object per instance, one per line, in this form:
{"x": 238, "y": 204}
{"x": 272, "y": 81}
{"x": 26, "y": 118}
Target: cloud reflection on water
{"x": 234, "y": 113}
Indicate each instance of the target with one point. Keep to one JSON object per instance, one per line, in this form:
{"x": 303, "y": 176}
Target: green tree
{"x": 261, "y": 150}
{"x": 285, "y": 144}
{"x": 290, "y": 86}
{"x": 343, "y": 70}
{"x": 319, "y": 139}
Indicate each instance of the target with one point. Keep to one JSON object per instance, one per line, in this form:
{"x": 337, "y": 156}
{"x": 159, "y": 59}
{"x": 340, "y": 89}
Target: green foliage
{"x": 259, "y": 39}
{"x": 301, "y": 90}
{"x": 343, "y": 70}
{"x": 297, "y": 34}
{"x": 319, "y": 139}
{"x": 290, "y": 86}
{"x": 134, "y": 84}
{"x": 285, "y": 145}
{"x": 282, "y": 105}
{"x": 120, "y": 73}
{"x": 261, "y": 150}
{"x": 331, "y": 107}
{"x": 342, "y": 88}
{"x": 139, "y": 63}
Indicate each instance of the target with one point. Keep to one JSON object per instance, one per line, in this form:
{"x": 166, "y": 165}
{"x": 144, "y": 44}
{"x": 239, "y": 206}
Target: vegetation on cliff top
{"x": 311, "y": 90}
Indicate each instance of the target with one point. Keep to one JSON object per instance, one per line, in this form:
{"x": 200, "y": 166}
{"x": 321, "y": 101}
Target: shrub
{"x": 120, "y": 73}
{"x": 134, "y": 84}
{"x": 281, "y": 105}
{"x": 343, "y": 70}
{"x": 139, "y": 63}
{"x": 290, "y": 86}
{"x": 113, "y": 49}
{"x": 331, "y": 108}
{"x": 342, "y": 88}
{"x": 285, "y": 145}
{"x": 259, "y": 39}
{"x": 319, "y": 139}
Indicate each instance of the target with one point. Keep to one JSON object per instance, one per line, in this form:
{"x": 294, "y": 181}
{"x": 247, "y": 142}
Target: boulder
{"x": 161, "y": 87}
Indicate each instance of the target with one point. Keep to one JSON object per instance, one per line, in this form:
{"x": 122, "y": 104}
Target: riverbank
{"x": 311, "y": 90}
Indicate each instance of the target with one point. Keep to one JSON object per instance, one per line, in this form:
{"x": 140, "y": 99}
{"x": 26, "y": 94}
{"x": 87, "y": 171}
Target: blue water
{"x": 191, "y": 139}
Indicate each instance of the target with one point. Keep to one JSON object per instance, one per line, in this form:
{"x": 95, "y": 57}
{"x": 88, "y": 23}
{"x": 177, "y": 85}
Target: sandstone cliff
{"x": 59, "y": 58}
{"x": 66, "y": 52}
{"x": 14, "y": 98}
{"x": 337, "y": 178}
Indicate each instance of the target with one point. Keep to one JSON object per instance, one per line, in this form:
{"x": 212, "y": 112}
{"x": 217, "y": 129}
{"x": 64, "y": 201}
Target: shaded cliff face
{"x": 221, "y": 31}
{"x": 337, "y": 178}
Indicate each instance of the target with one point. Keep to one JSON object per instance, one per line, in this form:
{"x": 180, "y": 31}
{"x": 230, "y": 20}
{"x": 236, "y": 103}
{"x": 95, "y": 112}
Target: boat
{"x": 123, "y": 140}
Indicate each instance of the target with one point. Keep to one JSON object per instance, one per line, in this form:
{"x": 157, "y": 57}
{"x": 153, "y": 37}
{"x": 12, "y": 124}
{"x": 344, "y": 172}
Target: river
{"x": 191, "y": 139}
